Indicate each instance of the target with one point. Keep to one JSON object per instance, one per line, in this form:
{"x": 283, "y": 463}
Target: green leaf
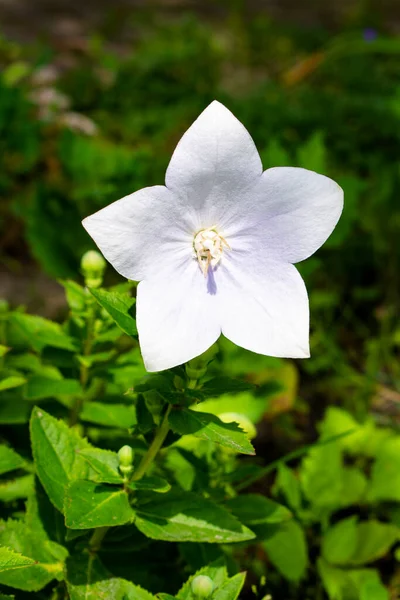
{"x": 13, "y": 410}
{"x": 354, "y": 486}
{"x": 385, "y": 477}
{"x": 13, "y": 560}
{"x": 104, "y": 463}
{"x": 180, "y": 516}
{"x": 11, "y": 382}
{"x": 88, "y": 505}
{"x": 36, "y": 332}
{"x": 154, "y": 484}
{"x": 9, "y": 460}
{"x": 109, "y": 415}
{"x": 287, "y": 550}
{"x": 231, "y": 589}
{"x": 209, "y": 427}
{"x": 254, "y": 509}
{"x": 224, "y": 385}
{"x": 289, "y": 485}
{"x": 320, "y": 476}
{"x": 14, "y": 489}
{"x": 373, "y": 590}
{"x": 88, "y": 579}
{"x": 18, "y": 536}
{"x": 374, "y": 540}
{"x": 54, "y": 448}
{"x": 4, "y": 350}
{"x": 76, "y": 295}
{"x": 340, "y": 541}
{"x": 118, "y": 307}
{"x": 38, "y": 388}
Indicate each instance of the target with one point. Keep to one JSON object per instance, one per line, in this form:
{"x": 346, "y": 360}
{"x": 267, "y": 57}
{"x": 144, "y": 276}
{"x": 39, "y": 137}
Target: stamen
{"x": 208, "y": 246}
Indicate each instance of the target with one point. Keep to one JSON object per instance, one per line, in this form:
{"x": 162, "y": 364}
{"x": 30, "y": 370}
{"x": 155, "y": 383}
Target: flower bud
{"x": 243, "y": 422}
{"x": 125, "y": 456}
{"x": 202, "y": 586}
{"x": 93, "y": 266}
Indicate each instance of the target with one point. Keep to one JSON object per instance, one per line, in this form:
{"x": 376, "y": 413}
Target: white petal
{"x": 215, "y": 160}
{"x": 176, "y": 317}
{"x": 288, "y": 214}
{"x": 263, "y": 306}
{"x": 142, "y": 233}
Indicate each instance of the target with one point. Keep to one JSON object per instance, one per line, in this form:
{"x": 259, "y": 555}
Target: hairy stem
{"x": 154, "y": 448}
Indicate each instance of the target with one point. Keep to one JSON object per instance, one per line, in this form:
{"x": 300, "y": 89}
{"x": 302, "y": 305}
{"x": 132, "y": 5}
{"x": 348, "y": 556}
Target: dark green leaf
{"x": 88, "y": 505}
{"x": 209, "y": 427}
{"x": 224, "y": 385}
{"x": 88, "y": 579}
{"x": 118, "y": 307}
{"x": 180, "y": 516}
{"x": 254, "y": 509}
{"x": 155, "y": 484}
{"x": 111, "y": 415}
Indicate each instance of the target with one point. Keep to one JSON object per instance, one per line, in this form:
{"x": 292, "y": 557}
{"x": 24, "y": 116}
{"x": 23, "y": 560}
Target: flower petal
{"x": 176, "y": 317}
{"x": 263, "y": 306}
{"x": 141, "y": 233}
{"x": 288, "y": 214}
{"x": 214, "y": 161}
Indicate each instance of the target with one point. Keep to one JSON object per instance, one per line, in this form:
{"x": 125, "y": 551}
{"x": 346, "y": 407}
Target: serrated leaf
{"x": 254, "y": 509}
{"x": 180, "y": 516}
{"x": 104, "y": 463}
{"x": 38, "y": 388}
{"x": 37, "y": 332}
{"x": 19, "y": 537}
{"x": 88, "y": 505}
{"x": 9, "y": 460}
{"x": 13, "y": 560}
{"x": 111, "y": 415}
{"x": 231, "y": 589}
{"x": 54, "y": 448}
{"x": 287, "y": 550}
{"x": 209, "y": 427}
{"x": 11, "y": 382}
{"x": 118, "y": 307}
{"x": 88, "y": 579}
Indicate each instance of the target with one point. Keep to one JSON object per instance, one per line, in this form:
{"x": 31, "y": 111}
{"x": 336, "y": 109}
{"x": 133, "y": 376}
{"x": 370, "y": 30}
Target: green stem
{"x": 97, "y": 538}
{"x": 155, "y": 446}
{"x": 192, "y": 383}
{"x": 84, "y": 369}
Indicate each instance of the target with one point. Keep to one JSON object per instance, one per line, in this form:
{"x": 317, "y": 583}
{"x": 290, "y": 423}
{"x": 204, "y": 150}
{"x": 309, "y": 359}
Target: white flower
{"x": 213, "y": 249}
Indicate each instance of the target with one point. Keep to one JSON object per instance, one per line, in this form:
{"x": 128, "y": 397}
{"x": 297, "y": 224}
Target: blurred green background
{"x": 93, "y": 99}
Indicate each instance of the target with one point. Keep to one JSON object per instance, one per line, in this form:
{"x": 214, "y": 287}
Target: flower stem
{"x": 192, "y": 383}
{"x": 154, "y": 448}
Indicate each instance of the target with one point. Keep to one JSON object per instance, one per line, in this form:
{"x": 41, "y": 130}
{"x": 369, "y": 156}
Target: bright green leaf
{"x": 11, "y": 382}
{"x": 118, "y": 307}
{"x": 104, "y": 463}
{"x": 14, "y": 489}
{"x": 88, "y": 505}
{"x": 38, "y": 388}
{"x": 9, "y": 460}
{"x": 109, "y": 415}
{"x": 231, "y": 589}
{"x": 209, "y": 427}
{"x": 37, "y": 332}
{"x": 340, "y": 541}
{"x": 287, "y": 550}
{"x": 13, "y": 560}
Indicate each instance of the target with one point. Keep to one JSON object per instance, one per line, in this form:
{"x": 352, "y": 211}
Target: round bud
{"x": 92, "y": 261}
{"x": 202, "y": 586}
{"x": 93, "y": 265}
{"x": 243, "y": 422}
{"x": 125, "y": 457}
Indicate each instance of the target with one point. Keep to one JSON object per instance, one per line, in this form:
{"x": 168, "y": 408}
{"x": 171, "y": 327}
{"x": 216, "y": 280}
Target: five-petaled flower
{"x": 213, "y": 248}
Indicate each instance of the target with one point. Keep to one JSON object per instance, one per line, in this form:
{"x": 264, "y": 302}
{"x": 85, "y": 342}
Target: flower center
{"x": 208, "y": 245}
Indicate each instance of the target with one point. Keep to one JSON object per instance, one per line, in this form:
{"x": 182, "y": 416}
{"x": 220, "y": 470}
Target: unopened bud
{"x": 93, "y": 266}
{"x": 202, "y": 586}
{"x": 125, "y": 456}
